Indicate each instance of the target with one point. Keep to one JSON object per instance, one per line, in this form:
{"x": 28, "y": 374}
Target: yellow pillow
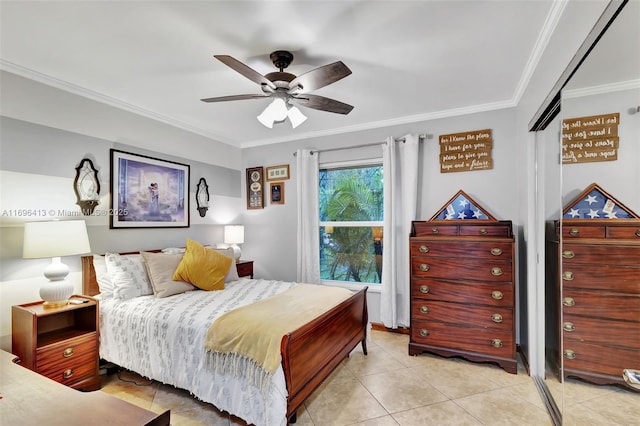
{"x": 202, "y": 267}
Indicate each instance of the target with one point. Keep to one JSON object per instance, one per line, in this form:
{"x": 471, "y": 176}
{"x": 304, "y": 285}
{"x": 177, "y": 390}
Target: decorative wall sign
{"x": 255, "y": 188}
{"x": 87, "y": 187}
{"x": 278, "y": 172}
{"x": 148, "y": 192}
{"x": 202, "y": 197}
{"x": 590, "y": 139}
{"x": 466, "y": 151}
{"x": 277, "y": 192}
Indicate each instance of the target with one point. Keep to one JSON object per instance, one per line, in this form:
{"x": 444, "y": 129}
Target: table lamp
{"x": 234, "y": 235}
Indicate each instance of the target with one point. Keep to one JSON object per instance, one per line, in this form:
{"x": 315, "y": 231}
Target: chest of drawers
{"x": 462, "y": 290}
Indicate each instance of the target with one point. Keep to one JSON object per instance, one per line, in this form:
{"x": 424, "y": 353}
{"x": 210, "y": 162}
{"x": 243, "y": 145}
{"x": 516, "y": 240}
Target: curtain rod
{"x": 420, "y": 138}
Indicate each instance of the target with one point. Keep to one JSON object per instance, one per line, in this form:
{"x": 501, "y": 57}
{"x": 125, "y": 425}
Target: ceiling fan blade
{"x": 233, "y": 98}
{"x": 245, "y": 70}
{"x": 320, "y": 77}
{"x": 321, "y": 103}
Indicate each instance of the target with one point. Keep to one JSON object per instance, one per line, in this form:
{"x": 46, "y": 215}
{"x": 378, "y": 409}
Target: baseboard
{"x": 381, "y": 327}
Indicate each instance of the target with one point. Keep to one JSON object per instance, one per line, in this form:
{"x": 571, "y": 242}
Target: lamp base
{"x": 56, "y": 294}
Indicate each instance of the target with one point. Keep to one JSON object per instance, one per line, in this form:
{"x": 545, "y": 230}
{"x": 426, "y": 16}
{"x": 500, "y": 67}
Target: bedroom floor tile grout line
{"x": 389, "y": 388}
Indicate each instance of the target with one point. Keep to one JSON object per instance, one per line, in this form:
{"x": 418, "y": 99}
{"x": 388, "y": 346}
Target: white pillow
{"x": 128, "y": 275}
{"x": 173, "y": 250}
{"x": 102, "y": 277}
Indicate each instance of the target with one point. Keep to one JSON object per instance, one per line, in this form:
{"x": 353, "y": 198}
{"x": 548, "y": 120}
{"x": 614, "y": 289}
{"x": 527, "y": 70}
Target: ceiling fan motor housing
{"x": 281, "y": 59}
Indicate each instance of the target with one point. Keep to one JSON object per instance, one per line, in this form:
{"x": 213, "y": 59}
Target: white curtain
{"x": 400, "y": 163}
{"x": 308, "y": 222}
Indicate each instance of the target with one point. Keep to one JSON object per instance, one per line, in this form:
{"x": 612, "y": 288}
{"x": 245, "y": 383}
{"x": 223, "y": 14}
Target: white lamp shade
{"x": 234, "y": 234}
{"x": 275, "y": 111}
{"x": 55, "y": 239}
{"x": 296, "y": 117}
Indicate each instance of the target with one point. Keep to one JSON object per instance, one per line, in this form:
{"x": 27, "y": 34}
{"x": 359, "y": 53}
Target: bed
{"x": 161, "y": 338}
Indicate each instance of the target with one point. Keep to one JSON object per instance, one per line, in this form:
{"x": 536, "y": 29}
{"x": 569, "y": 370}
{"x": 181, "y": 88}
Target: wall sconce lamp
{"x": 55, "y": 239}
{"x": 234, "y": 235}
{"x": 87, "y": 186}
{"x": 277, "y": 111}
{"x": 202, "y": 197}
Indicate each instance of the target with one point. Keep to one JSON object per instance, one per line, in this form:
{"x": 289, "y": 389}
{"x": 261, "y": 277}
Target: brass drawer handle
{"x": 496, "y": 251}
{"x": 67, "y": 352}
{"x": 424, "y": 289}
{"x": 424, "y": 332}
{"x": 483, "y": 231}
{"x": 67, "y": 373}
{"x": 568, "y": 326}
{"x": 568, "y": 301}
{"x": 496, "y": 343}
{"x": 424, "y": 267}
{"x": 567, "y": 276}
{"x": 569, "y": 354}
{"x": 568, "y": 254}
{"x": 574, "y": 232}
{"x": 434, "y": 230}
{"x": 495, "y": 271}
{"x": 424, "y": 309}
{"x": 424, "y": 249}
{"x": 496, "y": 295}
{"x": 638, "y": 233}
{"x": 496, "y": 318}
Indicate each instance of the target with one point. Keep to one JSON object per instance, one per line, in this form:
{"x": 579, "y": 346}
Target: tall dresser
{"x": 462, "y": 285}
{"x": 599, "y": 288}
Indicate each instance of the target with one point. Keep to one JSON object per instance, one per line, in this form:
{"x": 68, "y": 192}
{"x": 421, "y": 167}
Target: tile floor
{"x": 388, "y": 387}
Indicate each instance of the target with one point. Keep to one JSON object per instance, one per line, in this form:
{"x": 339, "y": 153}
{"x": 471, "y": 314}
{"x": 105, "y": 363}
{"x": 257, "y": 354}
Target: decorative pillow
{"x": 173, "y": 250}
{"x": 102, "y": 277}
{"x": 202, "y": 267}
{"x": 232, "y": 275}
{"x": 128, "y": 275}
{"x": 160, "y": 268}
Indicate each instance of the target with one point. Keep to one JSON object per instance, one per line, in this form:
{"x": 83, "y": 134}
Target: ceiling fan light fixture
{"x": 296, "y": 117}
{"x": 275, "y": 111}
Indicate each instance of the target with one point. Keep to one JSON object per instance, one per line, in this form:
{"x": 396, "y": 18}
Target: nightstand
{"x": 60, "y": 343}
{"x": 245, "y": 268}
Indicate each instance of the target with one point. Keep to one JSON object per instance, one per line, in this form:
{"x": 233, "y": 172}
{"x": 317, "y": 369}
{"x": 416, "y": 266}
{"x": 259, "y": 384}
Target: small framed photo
{"x": 277, "y": 192}
{"x": 278, "y": 172}
{"x": 255, "y": 188}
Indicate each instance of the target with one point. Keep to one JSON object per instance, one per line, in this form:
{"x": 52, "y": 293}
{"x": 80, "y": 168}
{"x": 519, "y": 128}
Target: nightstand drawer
{"x": 245, "y": 268}
{"x": 66, "y": 350}
{"x": 70, "y": 360}
{"x": 71, "y": 371}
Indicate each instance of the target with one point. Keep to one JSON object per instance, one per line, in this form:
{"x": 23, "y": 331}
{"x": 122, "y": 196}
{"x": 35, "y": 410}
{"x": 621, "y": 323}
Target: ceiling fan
{"x": 287, "y": 89}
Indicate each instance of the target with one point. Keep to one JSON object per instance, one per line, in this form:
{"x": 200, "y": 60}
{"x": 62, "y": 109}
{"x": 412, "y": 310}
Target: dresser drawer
{"x": 583, "y": 231}
{"x": 461, "y": 269}
{"x": 491, "y": 294}
{"x": 486, "y": 230}
{"x": 609, "y": 254}
{"x": 604, "y": 304}
{"x": 474, "y": 339}
{"x": 479, "y": 316}
{"x": 423, "y": 229}
{"x": 601, "y": 331}
{"x": 631, "y": 232}
{"x": 623, "y": 279}
{"x": 473, "y": 249}
{"x": 582, "y": 356}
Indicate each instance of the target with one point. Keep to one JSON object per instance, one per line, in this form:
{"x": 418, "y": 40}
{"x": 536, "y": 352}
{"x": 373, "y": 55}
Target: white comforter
{"x": 163, "y": 339}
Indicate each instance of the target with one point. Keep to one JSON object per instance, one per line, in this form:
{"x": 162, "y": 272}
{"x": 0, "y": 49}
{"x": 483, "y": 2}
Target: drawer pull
{"x": 496, "y": 295}
{"x": 496, "y": 343}
{"x": 424, "y": 267}
{"x": 424, "y": 289}
{"x": 496, "y": 318}
{"x": 568, "y": 254}
{"x": 569, "y": 354}
{"x": 638, "y": 233}
{"x": 434, "y": 230}
{"x": 568, "y": 301}
{"x": 496, "y": 271}
{"x": 424, "y": 309}
{"x": 567, "y": 276}
{"x": 496, "y": 251}
{"x": 574, "y": 232}
{"x": 67, "y": 373}
{"x": 568, "y": 326}
{"x": 483, "y": 231}
{"x": 424, "y": 249}
{"x": 67, "y": 352}
{"x": 424, "y": 332}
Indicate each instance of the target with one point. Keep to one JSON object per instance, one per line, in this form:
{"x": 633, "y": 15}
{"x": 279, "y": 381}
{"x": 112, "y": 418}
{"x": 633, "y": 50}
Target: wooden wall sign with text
{"x": 466, "y": 151}
{"x": 590, "y": 139}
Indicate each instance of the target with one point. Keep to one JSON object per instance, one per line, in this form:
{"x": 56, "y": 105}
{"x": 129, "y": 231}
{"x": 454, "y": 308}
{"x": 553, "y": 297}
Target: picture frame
{"x": 255, "y": 188}
{"x": 148, "y": 192}
{"x": 278, "y": 172}
{"x": 277, "y": 192}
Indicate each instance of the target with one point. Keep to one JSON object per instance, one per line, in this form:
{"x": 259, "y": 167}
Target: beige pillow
{"x": 232, "y": 275}
{"x": 203, "y": 267}
{"x": 161, "y": 267}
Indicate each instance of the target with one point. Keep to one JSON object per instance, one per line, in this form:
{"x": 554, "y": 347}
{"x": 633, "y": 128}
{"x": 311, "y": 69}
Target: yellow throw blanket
{"x": 252, "y": 333}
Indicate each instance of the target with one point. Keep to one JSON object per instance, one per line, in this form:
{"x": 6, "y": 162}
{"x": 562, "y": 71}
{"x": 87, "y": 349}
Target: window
{"x": 351, "y": 222}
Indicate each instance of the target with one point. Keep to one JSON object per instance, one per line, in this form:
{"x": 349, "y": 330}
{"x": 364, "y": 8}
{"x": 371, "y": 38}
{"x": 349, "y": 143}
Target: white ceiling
{"x": 411, "y": 60}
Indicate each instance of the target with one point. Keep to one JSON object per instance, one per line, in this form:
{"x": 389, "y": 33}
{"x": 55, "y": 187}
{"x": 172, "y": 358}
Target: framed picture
{"x": 255, "y": 188}
{"x": 148, "y": 192}
{"x": 278, "y": 172}
{"x": 277, "y": 192}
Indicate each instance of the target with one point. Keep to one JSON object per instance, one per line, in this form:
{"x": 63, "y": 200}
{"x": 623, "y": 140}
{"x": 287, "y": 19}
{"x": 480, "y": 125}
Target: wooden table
{"x": 27, "y": 398}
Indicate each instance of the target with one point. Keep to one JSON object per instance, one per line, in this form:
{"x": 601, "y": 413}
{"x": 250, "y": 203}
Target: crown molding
{"x": 601, "y": 89}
